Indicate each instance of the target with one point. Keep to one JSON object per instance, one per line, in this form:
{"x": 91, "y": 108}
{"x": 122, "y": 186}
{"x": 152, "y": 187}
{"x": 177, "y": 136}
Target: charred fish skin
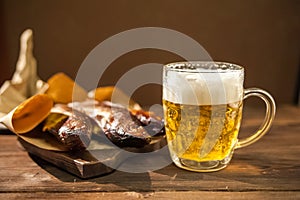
{"x": 126, "y": 140}
{"x": 75, "y": 132}
{"x": 121, "y": 127}
{"x": 154, "y": 125}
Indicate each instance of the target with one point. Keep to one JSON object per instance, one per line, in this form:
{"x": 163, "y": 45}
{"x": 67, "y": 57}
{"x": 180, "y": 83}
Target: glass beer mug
{"x": 202, "y": 103}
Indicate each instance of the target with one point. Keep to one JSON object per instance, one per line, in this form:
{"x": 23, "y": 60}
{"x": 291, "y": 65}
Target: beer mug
{"x": 202, "y": 103}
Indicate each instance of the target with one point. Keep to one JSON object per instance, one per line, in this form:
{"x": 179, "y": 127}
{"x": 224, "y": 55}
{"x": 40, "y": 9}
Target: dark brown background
{"x": 262, "y": 35}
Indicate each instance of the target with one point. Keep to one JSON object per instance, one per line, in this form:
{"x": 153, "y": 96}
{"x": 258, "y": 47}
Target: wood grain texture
{"x": 156, "y": 195}
{"x": 268, "y": 169}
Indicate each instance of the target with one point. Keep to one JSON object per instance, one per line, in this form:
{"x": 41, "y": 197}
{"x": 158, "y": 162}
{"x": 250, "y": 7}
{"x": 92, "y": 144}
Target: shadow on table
{"x": 129, "y": 181}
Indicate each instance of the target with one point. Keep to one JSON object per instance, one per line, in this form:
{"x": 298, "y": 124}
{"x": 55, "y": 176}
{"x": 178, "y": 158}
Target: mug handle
{"x": 269, "y": 116}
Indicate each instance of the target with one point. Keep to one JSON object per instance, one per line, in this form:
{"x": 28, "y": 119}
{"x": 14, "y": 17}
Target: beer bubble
{"x": 173, "y": 114}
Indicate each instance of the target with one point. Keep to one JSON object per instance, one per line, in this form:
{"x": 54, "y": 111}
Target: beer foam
{"x": 207, "y": 88}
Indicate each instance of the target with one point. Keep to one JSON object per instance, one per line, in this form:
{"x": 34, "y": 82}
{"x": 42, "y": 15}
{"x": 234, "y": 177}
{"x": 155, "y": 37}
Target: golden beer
{"x": 202, "y": 103}
{"x": 202, "y": 133}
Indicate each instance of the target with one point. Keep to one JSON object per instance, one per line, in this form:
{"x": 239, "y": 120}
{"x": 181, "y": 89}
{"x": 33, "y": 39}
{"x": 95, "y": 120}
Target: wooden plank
{"x": 81, "y": 164}
{"x": 155, "y": 195}
{"x": 91, "y": 162}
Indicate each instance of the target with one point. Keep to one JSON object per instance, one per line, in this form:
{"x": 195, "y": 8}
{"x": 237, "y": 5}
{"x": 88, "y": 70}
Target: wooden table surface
{"x": 268, "y": 169}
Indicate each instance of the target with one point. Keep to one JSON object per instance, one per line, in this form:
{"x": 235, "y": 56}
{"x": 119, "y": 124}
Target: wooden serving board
{"x": 92, "y": 162}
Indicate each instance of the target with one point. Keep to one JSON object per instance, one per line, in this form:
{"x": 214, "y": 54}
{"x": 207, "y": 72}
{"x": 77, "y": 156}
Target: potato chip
{"x": 115, "y": 95}
{"x": 30, "y": 113}
{"x": 62, "y": 89}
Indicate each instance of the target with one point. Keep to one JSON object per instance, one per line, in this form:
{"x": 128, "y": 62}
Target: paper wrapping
{"x": 22, "y": 104}
{"x": 25, "y": 81}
